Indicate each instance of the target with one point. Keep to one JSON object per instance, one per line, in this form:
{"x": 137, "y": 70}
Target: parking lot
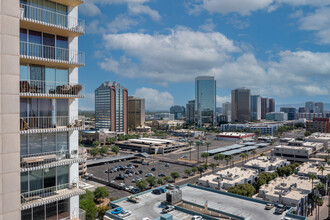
{"x": 161, "y": 169}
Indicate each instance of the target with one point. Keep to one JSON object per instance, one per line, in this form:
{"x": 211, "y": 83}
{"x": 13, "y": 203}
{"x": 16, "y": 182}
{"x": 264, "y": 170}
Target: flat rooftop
{"x": 234, "y": 134}
{"x": 230, "y": 204}
{"x": 263, "y": 162}
{"x": 312, "y": 167}
{"x": 293, "y": 147}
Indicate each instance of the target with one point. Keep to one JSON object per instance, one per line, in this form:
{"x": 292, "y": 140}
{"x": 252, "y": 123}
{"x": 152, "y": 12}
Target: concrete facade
{"x": 240, "y": 105}
{"x": 265, "y": 164}
{"x": 136, "y": 112}
{"x": 9, "y": 111}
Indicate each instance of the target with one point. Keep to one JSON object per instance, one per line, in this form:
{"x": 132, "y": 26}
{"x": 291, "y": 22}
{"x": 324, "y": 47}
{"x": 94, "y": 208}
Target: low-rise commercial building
{"x": 307, "y": 168}
{"x": 297, "y": 151}
{"x": 186, "y": 133}
{"x": 264, "y": 163}
{"x": 292, "y": 191}
{"x": 151, "y": 145}
{"x": 320, "y": 138}
{"x": 277, "y": 116}
{"x": 264, "y": 128}
{"x": 310, "y": 116}
{"x": 227, "y": 178}
{"x": 234, "y": 136}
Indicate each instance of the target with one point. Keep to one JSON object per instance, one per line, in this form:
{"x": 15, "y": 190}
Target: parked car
{"x": 126, "y": 175}
{"x": 285, "y": 218}
{"x": 117, "y": 211}
{"x": 135, "y": 190}
{"x": 153, "y": 169}
{"x": 269, "y": 206}
{"x": 149, "y": 174}
{"x": 145, "y": 219}
{"x": 124, "y": 214}
{"x": 107, "y": 171}
{"x": 140, "y": 171}
{"x": 130, "y": 175}
{"x": 133, "y": 199}
{"x": 120, "y": 176}
{"x": 145, "y": 163}
{"x": 158, "y": 191}
{"x": 135, "y": 165}
{"x": 161, "y": 175}
{"x": 197, "y": 217}
{"x": 280, "y": 209}
{"x": 138, "y": 178}
{"x": 137, "y": 173}
{"x": 128, "y": 171}
{"x": 168, "y": 209}
{"x": 167, "y": 165}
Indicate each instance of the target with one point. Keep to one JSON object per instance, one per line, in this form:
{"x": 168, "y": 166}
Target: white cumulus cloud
{"x": 154, "y": 99}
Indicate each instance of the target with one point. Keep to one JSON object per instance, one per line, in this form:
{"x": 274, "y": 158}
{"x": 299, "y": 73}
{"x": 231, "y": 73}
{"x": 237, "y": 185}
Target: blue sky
{"x": 155, "y": 48}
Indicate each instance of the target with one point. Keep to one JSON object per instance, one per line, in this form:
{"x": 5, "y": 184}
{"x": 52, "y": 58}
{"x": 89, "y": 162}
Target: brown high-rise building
{"x": 136, "y": 112}
{"x": 264, "y": 107}
{"x": 318, "y": 125}
{"x": 271, "y": 105}
{"x": 111, "y": 107}
{"x": 240, "y": 105}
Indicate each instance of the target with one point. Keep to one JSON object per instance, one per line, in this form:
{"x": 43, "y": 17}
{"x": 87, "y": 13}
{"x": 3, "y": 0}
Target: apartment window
{"x": 36, "y": 180}
{"x": 51, "y": 210}
{"x": 62, "y": 175}
{"x": 62, "y": 141}
{"x": 49, "y": 177}
{"x": 24, "y": 182}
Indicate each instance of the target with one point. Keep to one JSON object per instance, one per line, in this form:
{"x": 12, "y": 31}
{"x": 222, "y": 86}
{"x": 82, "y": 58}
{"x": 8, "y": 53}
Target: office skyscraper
{"x": 309, "y": 107}
{"x": 240, "y": 105}
{"x": 255, "y": 107}
{"x": 111, "y": 111}
{"x": 205, "y": 97}
{"x": 40, "y": 177}
{"x": 271, "y": 105}
{"x": 264, "y": 107}
{"x": 178, "y": 111}
{"x": 136, "y": 112}
{"x": 319, "y": 107}
{"x": 226, "y": 110}
{"x": 190, "y": 112}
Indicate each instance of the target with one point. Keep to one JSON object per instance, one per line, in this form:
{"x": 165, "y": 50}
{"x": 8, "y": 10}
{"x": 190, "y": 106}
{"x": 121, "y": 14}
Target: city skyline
{"x": 140, "y": 44}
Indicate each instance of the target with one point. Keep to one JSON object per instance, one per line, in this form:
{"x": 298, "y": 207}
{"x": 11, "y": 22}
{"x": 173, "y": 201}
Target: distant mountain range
{"x": 326, "y": 106}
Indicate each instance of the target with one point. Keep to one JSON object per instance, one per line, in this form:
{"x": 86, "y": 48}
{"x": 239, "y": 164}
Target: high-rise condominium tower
{"x": 111, "y": 107}
{"x": 226, "y": 110}
{"x": 190, "y": 112}
{"x": 205, "y": 97}
{"x": 39, "y": 109}
{"x": 240, "y": 105}
{"x": 255, "y": 107}
{"x": 136, "y": 112}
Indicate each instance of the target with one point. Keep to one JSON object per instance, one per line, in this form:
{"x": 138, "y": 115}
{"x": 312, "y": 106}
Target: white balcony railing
{"x": 39, "y": 87}
{"x": 52, "y": 54}
{"x": 27, "y": 123}
{"x": 43, "y": 160}
{"x": 51, "y": 18}
{"x": 47, "y": 195}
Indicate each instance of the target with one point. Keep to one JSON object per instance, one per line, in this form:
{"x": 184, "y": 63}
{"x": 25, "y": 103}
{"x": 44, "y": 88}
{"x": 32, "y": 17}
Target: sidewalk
{"x": 323, "y": 210}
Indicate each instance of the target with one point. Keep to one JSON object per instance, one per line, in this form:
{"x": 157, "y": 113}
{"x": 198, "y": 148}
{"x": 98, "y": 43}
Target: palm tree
{"x": 205, "y": 155}
{"x": 321, "y": 169}
{"x": 312, "y": 176}
{"x": 207, "y": 149}
{"x": 253, "y": 153}
{"x": 242, "y": 155}
{"x": 319, "y": 203}
{"x": 227, "y": 159}
{"x": 213, "y": 166}
{"x": 198, "y": 144}
{"x": 219, "y": 157}
{"x": 190, "y": 142}
{"x": 231, "y": 158}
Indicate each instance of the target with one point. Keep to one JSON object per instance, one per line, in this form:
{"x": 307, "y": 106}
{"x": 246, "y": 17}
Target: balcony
{"x": 50, "y": 56}
{"x": 72, "y": 3}
{"x": 45, "y": 89}
{"x": 44, "y": 20}
{"x": 48, "y": 195}
{"x": 50, "y": 159}
{"x": 32, "y": 125}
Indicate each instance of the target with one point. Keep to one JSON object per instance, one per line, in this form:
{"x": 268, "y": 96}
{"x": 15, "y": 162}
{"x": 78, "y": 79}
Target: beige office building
{"x": 136, "y": 112}
{"x": 39, "y": 120}
{"x": 240, "y": 105}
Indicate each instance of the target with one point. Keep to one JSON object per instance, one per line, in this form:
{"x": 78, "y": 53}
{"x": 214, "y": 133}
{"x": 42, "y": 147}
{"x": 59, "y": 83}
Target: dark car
{"x": 140, "y": 171}
{"x": 135, "y": 190}
{"x": 161, "y": 175}
{"x": 158, "y": 191}
{"x": 280, "y": 209}
{"x": 168, "y": 209}
{"x": 129, "y": 171}
{"x": 121, "y": 176}
{"x": 153, "y": 169}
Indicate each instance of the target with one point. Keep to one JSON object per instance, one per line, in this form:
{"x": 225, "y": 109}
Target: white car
{"x": 124, "y": 214}
{"x": 145, "y": 219}
{"x": 197, "y": 217}
{"x": 149, "y": 174}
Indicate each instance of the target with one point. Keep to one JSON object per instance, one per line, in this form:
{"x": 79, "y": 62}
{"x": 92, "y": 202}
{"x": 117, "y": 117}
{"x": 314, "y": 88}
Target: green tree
{"x": 187, "y": 172}
{"x": 175, "y": 175}
{"x": 198, "y": 144}
{"x": 242, "y": 156}
{"x": 243, "y": 189}
{"x": 94, "y": 152}
{"x": 264, "y": 178}
{"x": 205, "y": 156}
{"x": 111, "y": 140}
{"x": 194, "y": 170}
{"x": 115, "y": 149}
{"x": 90, "y": 207}
{"x": 321, "y": 169}
{"x": 101, "y": 210}
{"x": 190, "y": 142}
{"x": 307, "y": 133}
{"x": 312, "y": 176}
{"x": 227, "y": 159}
{"x": 207, "y": 150}
{"x": 213, "y": 166}
{"x": 219, "y": 158}
{"x": 104, "y": 150}
{"x": 151, "y": 181}
{"x": 253, "y": 153}
{"x": 101, "y": 193}
{"x": 167, "y": 178}
{"x": 160, "y": 181}
{"x": 141, "y": 184}
{"x": 96, "y": 143}
{"x": 88, "y": 195}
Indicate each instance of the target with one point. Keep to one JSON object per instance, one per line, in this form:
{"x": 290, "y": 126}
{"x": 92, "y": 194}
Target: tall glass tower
{"x": 205, "y": 96}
